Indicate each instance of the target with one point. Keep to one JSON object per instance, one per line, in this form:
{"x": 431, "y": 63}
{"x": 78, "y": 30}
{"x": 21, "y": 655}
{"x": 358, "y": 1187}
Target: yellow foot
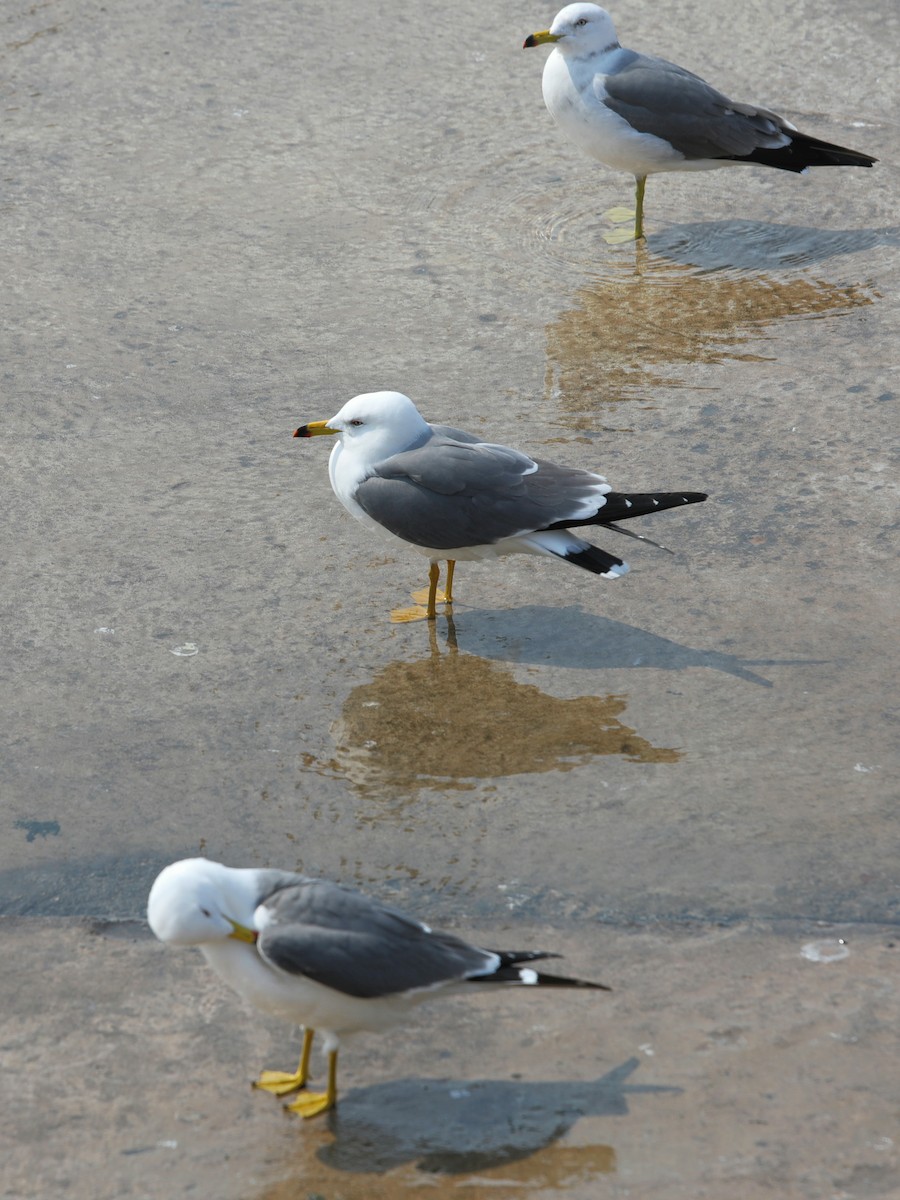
{"x": 280, "y": 1083}
{"x": 616, "y": 236}
{"x": 620, "y": 215}
{"x": 310, "y": 1104}
{"x": 417, "y": 613}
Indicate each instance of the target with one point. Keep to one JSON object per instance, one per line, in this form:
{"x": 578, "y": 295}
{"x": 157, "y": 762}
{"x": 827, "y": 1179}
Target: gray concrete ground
{"x": 221, "y": 220}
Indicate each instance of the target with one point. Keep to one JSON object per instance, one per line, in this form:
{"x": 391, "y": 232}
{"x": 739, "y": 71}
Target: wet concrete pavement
{"x": 222, "y": 220}
{"x": 725, "y": 1063}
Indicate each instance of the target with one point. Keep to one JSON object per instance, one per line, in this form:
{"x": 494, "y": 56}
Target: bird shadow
{"x": 450, "y": 1126}
{"x": 571, "y": 637}
{"x": 757, "y": 245}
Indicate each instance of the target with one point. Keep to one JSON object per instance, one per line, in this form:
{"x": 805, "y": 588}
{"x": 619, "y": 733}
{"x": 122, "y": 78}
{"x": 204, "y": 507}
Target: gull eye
{"x": 206, "y": 912}
{"x": 356, "y": 422}
{"x": 581, "y": 21}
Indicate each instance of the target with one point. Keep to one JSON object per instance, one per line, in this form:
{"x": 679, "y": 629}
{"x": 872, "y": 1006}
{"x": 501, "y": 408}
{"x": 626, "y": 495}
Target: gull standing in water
{"x": 641, "y": 114}
{"x": 322, "y": 956}
{"x": 452, "y": 496}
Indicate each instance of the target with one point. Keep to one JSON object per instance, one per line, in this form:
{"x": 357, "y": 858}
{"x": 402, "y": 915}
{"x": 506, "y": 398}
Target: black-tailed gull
{"x": 452, "y": 496}
{"x": 641, "y": 114}
{"x": 322, "y": 956}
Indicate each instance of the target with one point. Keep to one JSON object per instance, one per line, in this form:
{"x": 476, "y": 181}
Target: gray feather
{"x": 448, "y": 494}
{"x": 269, "y": 881}
{"x": 455, "y": 435}
{"x": 346, "y": 941}
{"x": 660, "y": 98}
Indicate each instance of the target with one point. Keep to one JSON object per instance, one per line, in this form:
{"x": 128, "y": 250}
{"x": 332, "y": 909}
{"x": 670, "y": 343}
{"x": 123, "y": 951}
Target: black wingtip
{"x": 622, "y": 506}
{"x": 512, "y": 970}
{"x": 804, "y": 151}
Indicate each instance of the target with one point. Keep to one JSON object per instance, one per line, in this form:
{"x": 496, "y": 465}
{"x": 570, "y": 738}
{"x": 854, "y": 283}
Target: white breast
{"x": 302, "y": 1001}
{"x": 574, "y": 95}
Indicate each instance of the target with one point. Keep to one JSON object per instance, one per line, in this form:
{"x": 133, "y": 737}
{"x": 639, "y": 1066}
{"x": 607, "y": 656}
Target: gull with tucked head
{"x": 452, "y": 496}
{"x": 641, "y": 114}
{"x": 322, "y": 956}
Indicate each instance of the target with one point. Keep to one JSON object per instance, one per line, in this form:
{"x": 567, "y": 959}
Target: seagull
{"x": 642, "y": 114}
{"x": 452, "y": 496}
{"x": 323, "y": 956}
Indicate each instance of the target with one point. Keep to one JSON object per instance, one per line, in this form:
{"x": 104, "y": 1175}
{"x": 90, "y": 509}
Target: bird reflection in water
{"x": 633, "y": 329}
{"x": 454, "y": 717}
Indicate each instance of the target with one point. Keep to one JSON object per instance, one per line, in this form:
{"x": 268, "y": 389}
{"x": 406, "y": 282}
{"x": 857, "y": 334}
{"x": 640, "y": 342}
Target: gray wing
{"x": 658, "y": 97}
{"x": 447, "y": 494}
{"x": 270, "y": 881}
{"x": 348, "y": 942}
{"x": 456, "y": 435}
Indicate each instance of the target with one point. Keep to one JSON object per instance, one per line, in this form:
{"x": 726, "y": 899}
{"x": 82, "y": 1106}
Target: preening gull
{"x": 452, "y": 496}
{"x": 322, "y": 956}
{"x": 641, "y": 114}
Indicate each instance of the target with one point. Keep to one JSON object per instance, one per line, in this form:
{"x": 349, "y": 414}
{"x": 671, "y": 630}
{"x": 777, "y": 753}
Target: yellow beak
{"x": 314, "y": 429}
{"x": 241, "y": 933}
{"x": 540, "y": 39}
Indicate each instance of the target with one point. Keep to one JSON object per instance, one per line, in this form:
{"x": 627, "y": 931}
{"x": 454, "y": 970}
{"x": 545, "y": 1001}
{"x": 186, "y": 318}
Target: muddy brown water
{"x": 222, "y": 220}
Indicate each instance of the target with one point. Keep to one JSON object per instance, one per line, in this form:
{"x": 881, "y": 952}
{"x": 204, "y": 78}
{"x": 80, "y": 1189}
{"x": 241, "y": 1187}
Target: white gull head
{"x": 195, "y": 902}
{"x": 583, "y": 29}
{"x": 376, "y": 425}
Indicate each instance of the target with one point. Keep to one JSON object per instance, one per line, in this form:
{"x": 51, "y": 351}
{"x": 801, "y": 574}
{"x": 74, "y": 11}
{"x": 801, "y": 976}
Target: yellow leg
{"x": 310, "y": 1104}
{"x": 280, "y": 1083}
{"x": 428, "y": 598}
{"x": 640, "y": 183}
{"x": 434, "y": 574}
{"x": 448, "y": 586}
